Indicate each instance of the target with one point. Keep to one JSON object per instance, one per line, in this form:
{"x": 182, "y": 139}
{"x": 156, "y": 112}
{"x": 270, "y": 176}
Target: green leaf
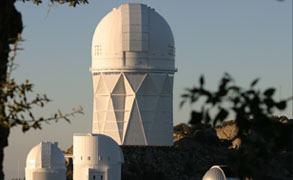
{"x": 31, "y": 115}
{"x": 281, "y": 105}
{"x": 235, "y": 88}
{"x": 185, "y": 95}
{"x": 25, "y": 127}
{"x": 254, "y": 82}
{"x": 196, "y": 118}
{"x": 221, "y": 116}
{"x": 269, "y": 92}
{"x": 181, "y": 104}
{"x": 201, "y": 81}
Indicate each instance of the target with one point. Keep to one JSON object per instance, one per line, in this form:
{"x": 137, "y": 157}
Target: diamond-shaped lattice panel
{"x": 135, "y": 133}
{"x": 135, "y": 79}
{"x": 147, "y": 87}
{"x": 134, "y": 108}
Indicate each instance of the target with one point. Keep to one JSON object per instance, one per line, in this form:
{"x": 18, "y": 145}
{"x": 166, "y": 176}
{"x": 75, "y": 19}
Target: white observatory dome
{"x": 45, "y": 161}
{"x": 133, "y": 36}
{"x": 214, "y": 173}
{"x": 96, "y": 155}
{"x": 217, "y": 172}
{"x": 133, "y": 56}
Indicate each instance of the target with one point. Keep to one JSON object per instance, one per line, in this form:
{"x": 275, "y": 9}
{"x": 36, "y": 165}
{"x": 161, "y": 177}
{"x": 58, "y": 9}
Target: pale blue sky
{"x": 245, "y": 38}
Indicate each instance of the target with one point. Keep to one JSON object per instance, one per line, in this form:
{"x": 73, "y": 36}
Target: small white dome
{"x": 214, "y": 173}
{"x": 100, "y": 148}
{"x": 45, "y": 156}
{"x": 96, "y": 155}
{"x": 133, "y": 36}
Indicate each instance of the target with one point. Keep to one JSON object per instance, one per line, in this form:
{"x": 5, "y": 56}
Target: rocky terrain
{"x": 193, "y": 153}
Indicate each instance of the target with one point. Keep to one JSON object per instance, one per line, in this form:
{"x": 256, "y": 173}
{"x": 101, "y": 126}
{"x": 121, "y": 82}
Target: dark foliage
{"x": 262, "y": 136}
{"x": 71, "y": 2}
{"x": 15, "y": 107}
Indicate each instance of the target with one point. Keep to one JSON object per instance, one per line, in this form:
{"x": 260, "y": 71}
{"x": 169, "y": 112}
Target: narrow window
{"x": 89, "y": 158}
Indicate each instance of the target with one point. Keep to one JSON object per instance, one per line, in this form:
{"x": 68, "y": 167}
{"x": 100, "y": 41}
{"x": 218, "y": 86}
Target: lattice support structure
{"x": 134, "y": 108}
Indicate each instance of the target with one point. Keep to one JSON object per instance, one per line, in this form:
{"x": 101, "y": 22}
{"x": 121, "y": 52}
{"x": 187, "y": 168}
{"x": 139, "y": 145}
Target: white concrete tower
{"x": 96, "y": 157}
{"x": 45, "y": 161}
{"x": 133, "y": 63}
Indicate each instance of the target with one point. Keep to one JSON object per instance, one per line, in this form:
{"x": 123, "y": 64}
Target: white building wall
{"x": 93, "y": 155}
{"x": 45, "y": 174}
{"x": 113, "y": 171}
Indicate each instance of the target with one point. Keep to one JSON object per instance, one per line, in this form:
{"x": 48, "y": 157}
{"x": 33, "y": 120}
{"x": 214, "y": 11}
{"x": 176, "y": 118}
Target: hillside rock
{"x": 187, "y": 159}
{"x": 195, "y": 150}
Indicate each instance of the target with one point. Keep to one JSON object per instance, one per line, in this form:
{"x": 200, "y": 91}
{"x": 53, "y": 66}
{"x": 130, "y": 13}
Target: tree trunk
{"x": 10, "y": 27}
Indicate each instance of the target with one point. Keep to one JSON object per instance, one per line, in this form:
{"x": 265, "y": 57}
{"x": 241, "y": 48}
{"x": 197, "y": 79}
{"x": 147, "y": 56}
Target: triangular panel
{"x": 114, "y": 135}
{"x": 95, "y": 127}
{"x": 171, "y": 79}
{"x": 119, "y": 116}
{"x": 148, "y": 118}
{"x": 110, "y": 105}
{"x": 126, "y": 120}
{"x": 148, "y": 106}
{"x": 129, "y": 102}
{"x": 120, "y": 122}
{"x": 158, "y": 79}
{"x": 118, "y": 102}
{"x": 101, "y": 87}
{"x": 111, "y": 80}
{"x": 128, "y": 88}
{"x": 147, "y": 103}
{"x": 119, "y": 87}
{"x": 101, "y": 120}
{"x": 111, "y": 123}
{"x": 147, "y": 87}
{"x": 165, "y": 103}
{"x": 101, "y": 102}
{"x": 135, "y": 79}
{"x": 95, "y": 122}
{"x": 111, "y": 127}
{"x": 167, "y": 89}
{"x": 135, "y": 133}
{"x": 101, "y": 126}
{"x": 101, "y": 116}
{"x": 96, "y": 79}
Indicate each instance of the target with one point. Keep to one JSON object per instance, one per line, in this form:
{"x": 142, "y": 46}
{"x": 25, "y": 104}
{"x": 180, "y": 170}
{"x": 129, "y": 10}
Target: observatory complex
{"x": 133, "y": 63}
{"x": 219, "y": 172}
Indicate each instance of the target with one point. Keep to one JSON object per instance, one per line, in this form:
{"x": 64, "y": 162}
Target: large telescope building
{"x": 133, "y": 63}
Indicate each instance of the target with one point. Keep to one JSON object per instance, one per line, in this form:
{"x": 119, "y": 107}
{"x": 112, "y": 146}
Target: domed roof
{"x": 45, "y": 155}
{"x": 214, "y": 173}
{"x": 104, "y": 145}
{"x": 133, "y": 36}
